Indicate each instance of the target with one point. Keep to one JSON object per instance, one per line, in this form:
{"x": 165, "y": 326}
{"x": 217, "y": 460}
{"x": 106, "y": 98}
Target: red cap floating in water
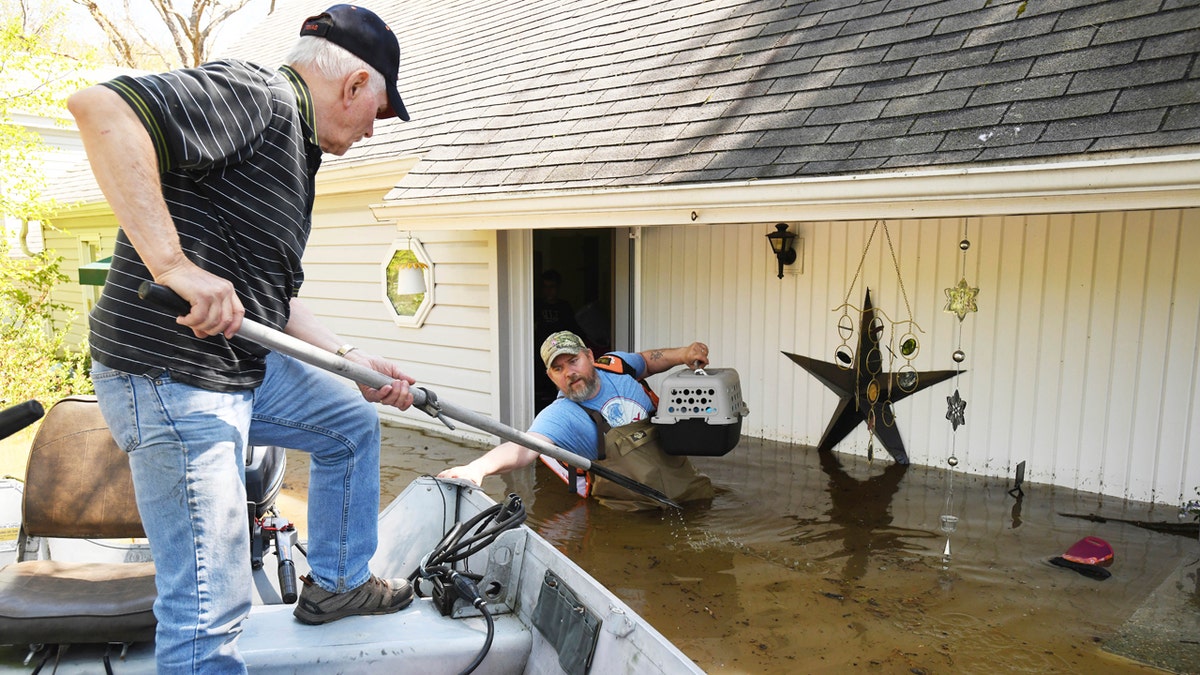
{"x": 1090, "y": 551}
{"x": 1088, "y": 556}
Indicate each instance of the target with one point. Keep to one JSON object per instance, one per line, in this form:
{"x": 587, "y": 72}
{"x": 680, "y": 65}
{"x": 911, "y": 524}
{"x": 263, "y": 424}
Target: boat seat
{"x": 77, "y": 486}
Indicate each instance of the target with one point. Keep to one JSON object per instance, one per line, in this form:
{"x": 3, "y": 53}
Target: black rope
{"x": 461, "y": 542}
{"x": 458, "y": 545}
{"x": 487, "y": 643}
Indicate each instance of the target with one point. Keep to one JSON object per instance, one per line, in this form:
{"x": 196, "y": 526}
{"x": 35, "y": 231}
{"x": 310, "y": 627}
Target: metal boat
{"x": 549, "y": 616}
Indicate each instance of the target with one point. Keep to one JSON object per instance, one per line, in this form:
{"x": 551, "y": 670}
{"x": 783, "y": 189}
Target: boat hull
{"x": 419, "y": 638}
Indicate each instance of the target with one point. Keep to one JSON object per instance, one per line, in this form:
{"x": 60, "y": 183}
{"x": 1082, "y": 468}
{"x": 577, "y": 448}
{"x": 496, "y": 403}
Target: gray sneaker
{"x": 377, "y": 596}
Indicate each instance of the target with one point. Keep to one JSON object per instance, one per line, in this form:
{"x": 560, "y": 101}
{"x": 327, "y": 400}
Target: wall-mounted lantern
{"x": 783, "y": 245}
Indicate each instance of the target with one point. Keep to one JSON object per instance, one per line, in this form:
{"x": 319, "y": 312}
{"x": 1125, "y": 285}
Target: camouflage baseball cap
{"x": 562, "y": 342}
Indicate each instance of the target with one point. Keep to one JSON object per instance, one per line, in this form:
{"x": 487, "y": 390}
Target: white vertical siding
{"x": 1180, "y": 412}
{"x": 1082, "y": 359}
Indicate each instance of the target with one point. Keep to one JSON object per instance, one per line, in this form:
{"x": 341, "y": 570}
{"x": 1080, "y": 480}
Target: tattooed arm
{"x": 694, "y": 355}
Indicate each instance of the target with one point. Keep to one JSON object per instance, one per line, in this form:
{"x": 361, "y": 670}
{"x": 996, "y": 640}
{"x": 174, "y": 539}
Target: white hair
{"x": 332, "y": 61}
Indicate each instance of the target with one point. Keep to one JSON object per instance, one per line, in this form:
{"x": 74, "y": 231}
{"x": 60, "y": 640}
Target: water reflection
{"x": 1015, "y": 515}
{"x": 859, "y": 515}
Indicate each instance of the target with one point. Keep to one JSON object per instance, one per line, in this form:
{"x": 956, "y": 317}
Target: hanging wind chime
{"x": 867, "y": 391}
{"x": 960, "y": 300}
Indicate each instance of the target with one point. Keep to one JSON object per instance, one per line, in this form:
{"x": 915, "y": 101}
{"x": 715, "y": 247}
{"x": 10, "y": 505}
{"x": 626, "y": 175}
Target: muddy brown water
{"x": 807, "y": 566}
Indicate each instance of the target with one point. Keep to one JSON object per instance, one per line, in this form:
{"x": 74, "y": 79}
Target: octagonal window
{"x": 408, "y": 282}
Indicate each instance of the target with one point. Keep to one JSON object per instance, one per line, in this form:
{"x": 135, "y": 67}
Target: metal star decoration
{"x": 956, "y": 410}
{"x": 866, "y": 396}
{"x": 960, "y": 299}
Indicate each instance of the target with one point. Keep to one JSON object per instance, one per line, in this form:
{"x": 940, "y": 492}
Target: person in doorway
{"x": 210, "y": 172}
{"x": 551, "y": 313}
{"x": 593, "y": 320}
{"x": 602, "y": 413}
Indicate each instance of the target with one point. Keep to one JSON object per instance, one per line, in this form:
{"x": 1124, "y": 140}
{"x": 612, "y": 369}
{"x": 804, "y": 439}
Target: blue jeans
{"x": 186, "y": 450}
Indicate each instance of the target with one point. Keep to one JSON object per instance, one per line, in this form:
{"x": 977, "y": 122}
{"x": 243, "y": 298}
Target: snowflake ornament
{"x": 956, "y": 409}
{"x": 960, "y": 299}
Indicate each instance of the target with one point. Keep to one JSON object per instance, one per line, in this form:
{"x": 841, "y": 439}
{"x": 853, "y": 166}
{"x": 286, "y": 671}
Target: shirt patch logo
{"x": 619, "y": 411}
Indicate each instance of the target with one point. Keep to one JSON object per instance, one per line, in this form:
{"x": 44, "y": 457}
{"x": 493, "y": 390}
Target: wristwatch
{"x": 345, "y": 349}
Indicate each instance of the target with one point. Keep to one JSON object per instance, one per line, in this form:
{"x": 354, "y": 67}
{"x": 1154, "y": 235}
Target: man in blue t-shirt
{"x": 609, "y": 385}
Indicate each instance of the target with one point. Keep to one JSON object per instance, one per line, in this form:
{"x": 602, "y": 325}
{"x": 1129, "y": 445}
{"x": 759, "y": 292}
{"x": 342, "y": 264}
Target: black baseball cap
{"x": 362, "y": 33}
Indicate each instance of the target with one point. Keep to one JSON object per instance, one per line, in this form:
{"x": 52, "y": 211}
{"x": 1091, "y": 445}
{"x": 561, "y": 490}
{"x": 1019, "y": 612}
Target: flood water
{"x": 807, "y": 566}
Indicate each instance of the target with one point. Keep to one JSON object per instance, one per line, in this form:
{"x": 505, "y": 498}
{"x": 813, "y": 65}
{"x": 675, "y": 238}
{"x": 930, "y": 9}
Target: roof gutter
{"x": 1122, "y": 183}
{"x": 375, "y": 174}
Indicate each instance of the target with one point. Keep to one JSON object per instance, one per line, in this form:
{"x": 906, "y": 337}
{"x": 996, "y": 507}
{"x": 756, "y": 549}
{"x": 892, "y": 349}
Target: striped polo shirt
{"x": 237, "y": 154}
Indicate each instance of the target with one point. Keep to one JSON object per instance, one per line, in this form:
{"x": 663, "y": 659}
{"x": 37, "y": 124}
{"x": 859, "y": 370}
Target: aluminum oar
{"x": 424, "y": 399}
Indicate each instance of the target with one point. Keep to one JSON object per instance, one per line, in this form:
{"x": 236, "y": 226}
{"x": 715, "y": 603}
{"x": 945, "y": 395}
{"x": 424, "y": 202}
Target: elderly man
{"x": 602, "y": 413}
{"x": 210, "y": 172}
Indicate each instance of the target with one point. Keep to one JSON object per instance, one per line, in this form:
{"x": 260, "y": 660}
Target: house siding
{"x": 83, "y": 240}
{"x": 454, "y": 351}
{"x": 1081, "y": 361}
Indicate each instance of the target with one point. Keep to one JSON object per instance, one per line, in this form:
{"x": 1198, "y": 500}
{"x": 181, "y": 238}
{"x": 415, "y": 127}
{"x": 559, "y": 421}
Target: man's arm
{"x": 503, "y": 458}
{"x": 124, "y": 163}
{"x": 694, "y": 355}
{"x": 304, "y": 325}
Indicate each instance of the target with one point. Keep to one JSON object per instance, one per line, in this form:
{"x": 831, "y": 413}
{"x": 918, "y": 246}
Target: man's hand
{"x": 397, "y": 394}
{"x": 695, "y": 355}
{"x": 216, "y": 308}
{"x": 501, "y": 459}
{"x": 465, "y": 472}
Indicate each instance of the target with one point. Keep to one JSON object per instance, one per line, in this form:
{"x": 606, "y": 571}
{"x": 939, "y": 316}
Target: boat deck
{"x": 417, "y": 640}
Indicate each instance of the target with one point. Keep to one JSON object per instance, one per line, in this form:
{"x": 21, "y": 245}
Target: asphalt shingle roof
{"x": 541, "y": 95}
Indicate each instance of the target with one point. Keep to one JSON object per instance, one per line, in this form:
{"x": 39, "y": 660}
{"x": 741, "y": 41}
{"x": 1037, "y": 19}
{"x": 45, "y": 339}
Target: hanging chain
{"x": 896, "y": 264}
{"x": 861, "y": 260}
{"x": 956, "y": 408}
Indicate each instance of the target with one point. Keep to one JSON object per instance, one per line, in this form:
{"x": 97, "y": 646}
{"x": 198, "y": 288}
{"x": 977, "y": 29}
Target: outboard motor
{"x": 264, "y": 479}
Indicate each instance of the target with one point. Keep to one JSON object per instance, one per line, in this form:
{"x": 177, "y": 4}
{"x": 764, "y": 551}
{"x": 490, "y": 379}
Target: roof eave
{"x": 1114, "y": 183}
{"x": 378, "y": 174}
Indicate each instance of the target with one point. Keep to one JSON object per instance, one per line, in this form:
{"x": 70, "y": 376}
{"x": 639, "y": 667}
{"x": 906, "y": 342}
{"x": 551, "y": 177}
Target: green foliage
{"x": 1024, "y": 5}
{"x": 35, "y": 360}
{"x": 36, "y": 76}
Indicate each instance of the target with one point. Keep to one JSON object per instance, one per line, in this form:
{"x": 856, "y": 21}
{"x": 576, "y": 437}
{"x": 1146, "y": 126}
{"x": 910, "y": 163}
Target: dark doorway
{"x": 573, "y": 290}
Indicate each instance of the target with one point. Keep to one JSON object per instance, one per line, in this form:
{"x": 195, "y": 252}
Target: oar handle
{"x": 164, "y": 298}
